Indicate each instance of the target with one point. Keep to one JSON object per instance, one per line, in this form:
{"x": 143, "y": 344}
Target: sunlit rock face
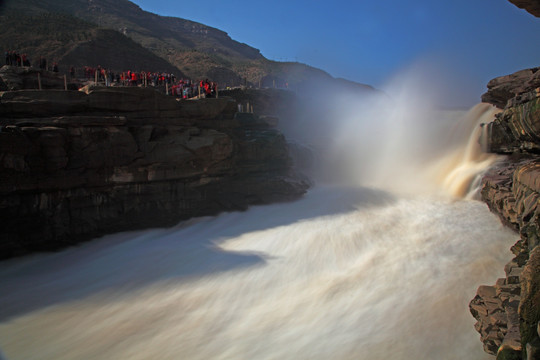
{"x": 75, "y": 165}
{"x": 517, "y": 127}
{"x": 505, "y": 88}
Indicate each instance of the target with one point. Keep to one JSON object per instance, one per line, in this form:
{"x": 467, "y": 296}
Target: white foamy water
{"x": 345, "y": 273}
{"x": 381, "y": 266}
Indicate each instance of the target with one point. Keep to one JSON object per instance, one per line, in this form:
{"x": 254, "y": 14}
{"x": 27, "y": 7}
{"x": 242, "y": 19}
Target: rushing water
{"x": 356, "y": 269}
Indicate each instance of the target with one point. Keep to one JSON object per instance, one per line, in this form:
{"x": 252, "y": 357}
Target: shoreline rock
{"x": 508, "y": 313}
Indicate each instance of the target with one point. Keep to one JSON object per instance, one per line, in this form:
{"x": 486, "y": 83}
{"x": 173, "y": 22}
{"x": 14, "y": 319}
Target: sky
{"x": 460, "y": 45}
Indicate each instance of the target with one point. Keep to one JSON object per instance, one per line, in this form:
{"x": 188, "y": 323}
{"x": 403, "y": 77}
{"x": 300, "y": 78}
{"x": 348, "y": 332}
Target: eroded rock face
{"x": 507, "y": 312}
{"x": 508, "y": 87}
{"x": 517, "y": 128}
{"x": 77, "y": 165}
{"x": 511, "y": 192}
{"x": 496, "y": 309}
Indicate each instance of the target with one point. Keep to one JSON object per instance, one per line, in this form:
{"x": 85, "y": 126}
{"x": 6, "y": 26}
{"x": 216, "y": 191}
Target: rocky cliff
{"x": 508, "y": 313}
{"x": 75, "y": 165}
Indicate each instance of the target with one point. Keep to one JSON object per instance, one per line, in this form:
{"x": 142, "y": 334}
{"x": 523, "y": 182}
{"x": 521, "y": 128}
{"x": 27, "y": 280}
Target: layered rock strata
{"x": 76, "y": 165}
{"x": 508, "y": 313}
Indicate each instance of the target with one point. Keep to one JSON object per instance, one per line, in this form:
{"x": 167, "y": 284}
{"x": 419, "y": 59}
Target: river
{"x": 378, "y": 268}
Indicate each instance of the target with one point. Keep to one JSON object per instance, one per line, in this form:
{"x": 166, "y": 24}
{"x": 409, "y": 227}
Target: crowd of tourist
{"x": 188, "y": 89}
{"x": 210, "y": 88}
{"x": 13, "y": 58}
{"x": 180, "y": 88}
{"x": 177, "y": 87}
{"x": 128, "y": 78}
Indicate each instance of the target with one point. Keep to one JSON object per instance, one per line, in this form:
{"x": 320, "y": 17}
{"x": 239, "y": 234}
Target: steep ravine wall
{"x": 508, "y": 313}
{"x": 76, "y": 165}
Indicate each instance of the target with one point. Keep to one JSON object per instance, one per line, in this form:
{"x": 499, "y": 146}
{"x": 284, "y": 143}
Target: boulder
{"x": 495, "y": 308}
{"x": 504, "y": 88}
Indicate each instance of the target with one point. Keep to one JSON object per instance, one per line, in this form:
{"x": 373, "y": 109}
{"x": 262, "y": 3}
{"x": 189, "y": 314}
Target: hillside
{"x": 196, "y": 50}
{"x": 73, "y": 42}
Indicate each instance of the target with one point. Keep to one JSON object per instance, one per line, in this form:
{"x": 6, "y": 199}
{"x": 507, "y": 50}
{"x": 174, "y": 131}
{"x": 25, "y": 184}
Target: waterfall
{"x": 463, "y": 168}
{"x": 402, "y": 144}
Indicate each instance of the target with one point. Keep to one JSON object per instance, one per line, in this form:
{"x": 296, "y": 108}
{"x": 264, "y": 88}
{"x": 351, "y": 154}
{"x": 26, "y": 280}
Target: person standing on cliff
{"x": 25, "y": 60}
{"x": 42, "y": 63}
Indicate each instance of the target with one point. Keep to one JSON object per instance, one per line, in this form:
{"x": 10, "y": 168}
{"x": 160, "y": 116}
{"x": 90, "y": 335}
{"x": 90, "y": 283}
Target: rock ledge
{"x": 76, "y": 165}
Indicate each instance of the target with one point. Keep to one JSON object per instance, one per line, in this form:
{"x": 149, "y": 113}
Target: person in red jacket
{"x": 207, "y": 88}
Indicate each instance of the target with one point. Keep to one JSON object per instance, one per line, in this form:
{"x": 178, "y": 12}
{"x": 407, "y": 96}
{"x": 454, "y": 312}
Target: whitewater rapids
{"x": 348, "y": 272}
{"x": 341, "y": 274}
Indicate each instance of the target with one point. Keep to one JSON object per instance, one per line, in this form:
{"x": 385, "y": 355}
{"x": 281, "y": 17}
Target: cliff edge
{"x": 75, "y": 165}
{"x": 508, "y": 313}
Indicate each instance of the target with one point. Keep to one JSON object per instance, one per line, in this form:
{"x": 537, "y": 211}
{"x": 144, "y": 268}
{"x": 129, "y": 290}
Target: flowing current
{"x": 377, "y": 261}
